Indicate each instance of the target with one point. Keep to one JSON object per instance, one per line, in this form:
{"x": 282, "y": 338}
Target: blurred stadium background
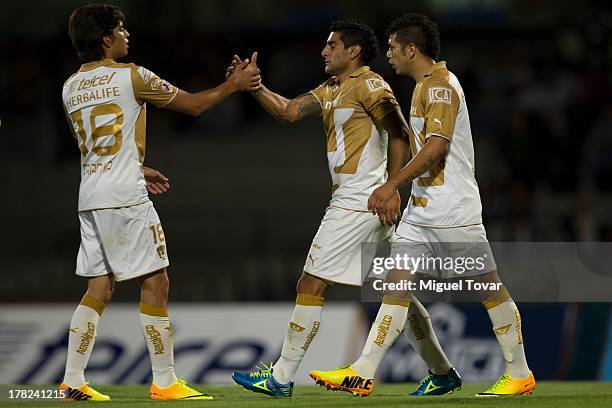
{"x": 248, "y": 194}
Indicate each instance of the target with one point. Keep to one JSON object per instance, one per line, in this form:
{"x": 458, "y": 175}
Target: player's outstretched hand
{"x": 157, "y": 183}
{"x": 232, "y": 67}
{"x": 244, "y": 75}
{"x": 385, "y": 202}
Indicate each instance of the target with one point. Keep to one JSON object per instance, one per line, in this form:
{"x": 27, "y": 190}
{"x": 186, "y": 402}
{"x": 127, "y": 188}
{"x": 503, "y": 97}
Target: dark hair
{"x": 418, "y": 30}
{"x": 354, "y": 32}
{"x": 88, "y": 24}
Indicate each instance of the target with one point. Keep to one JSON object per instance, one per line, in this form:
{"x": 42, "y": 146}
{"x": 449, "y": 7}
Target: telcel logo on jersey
{"x": 86, "y": 338}
{"x": 87, "y": 83}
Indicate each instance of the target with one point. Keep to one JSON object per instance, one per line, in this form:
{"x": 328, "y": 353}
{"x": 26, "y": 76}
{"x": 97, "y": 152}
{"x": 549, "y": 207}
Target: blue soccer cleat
{"x": 439, "y": 384}
{"x": 263, "y": 382}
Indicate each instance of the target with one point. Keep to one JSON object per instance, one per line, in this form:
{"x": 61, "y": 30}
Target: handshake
{"x": 244, "y": 75}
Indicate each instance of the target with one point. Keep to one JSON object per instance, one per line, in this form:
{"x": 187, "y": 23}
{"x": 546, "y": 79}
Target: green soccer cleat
{"x": 439, "y": 384}
{"x": 263, "y": 382}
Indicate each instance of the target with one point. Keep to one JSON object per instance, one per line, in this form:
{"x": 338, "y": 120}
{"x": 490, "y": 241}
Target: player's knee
{"x": 101, "y": 288}
{"x": 110, "y": 290}
{"x": 311, "y": 286}
{"x": 157, "y": 284}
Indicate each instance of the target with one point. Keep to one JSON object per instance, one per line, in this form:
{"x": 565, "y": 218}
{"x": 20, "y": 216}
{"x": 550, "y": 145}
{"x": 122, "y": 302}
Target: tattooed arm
{"x": 288, "y": 110}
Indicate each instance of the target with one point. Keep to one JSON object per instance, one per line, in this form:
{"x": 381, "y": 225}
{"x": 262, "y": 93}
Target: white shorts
{"x": 335, "y": 253}
{"x": 127, "y": 242}
{"x": 441, "y": 244}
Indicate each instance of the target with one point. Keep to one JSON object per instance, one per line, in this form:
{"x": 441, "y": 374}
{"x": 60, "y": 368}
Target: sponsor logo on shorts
{"x": 312, "y": 260}
{"x": 161, "y": 251}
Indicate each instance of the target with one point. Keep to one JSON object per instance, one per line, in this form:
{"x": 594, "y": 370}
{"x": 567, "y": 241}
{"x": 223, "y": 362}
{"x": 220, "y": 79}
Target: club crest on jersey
{"x": 439, "y": 94}
{"x": 376, "y": 84}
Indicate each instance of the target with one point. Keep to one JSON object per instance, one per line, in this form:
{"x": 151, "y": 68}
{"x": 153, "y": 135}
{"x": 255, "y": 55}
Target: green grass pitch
{"x": 548, "y": 394}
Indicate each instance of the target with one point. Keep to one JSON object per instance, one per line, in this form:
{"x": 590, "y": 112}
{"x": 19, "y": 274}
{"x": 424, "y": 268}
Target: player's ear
{"x": 107, "y": 40}
{"x": 411, "y": 50}
{"x": 354, "y": 51}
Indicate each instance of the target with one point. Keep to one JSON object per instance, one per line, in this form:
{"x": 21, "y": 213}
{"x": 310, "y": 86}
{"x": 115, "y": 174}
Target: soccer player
{"x": 121, "y": 235}
{"x": 445, "y": 203}
{"x": 361, "y": 118}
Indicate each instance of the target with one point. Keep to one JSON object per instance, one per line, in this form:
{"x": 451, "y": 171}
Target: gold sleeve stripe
{"x": 305, "y": 299}
{"x": 390, "y": 300}
{"x": 94, "y": 303}
{"x": 153, "y": 310}
{"x": 497, "y": 298}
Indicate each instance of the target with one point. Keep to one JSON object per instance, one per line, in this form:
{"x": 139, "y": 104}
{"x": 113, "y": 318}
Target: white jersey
{"x": 105, "y": 103}
{"x": 356, "y": 146}
{"x": 447, "y": 195}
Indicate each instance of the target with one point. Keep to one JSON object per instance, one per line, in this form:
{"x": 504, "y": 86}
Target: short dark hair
{"x": 88, "y": 24}
{"x": 419, "y": 30}
{"x": 354, "y": 32}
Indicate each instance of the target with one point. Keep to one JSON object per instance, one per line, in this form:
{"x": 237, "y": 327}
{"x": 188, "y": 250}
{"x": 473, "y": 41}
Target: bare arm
{"x": 433, "y": 151}
{"x": 399, "y": 147}
{"x": 245, "y": 78}
{"x": 288, "y": 110}
{"x": 196, "y": 103}
{"x": 396, "y": 127}
{"x": 280, "y": 108}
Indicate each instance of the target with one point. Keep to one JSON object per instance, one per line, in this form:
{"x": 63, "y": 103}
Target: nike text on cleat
{"x": 344, "y": 379}
{"x": 263, "y": 382}
{"x": 82, "y": 393}
{"x": 178, "y": 390}
{"x": 435, "y": 384}
{"x": 507, "y": 386}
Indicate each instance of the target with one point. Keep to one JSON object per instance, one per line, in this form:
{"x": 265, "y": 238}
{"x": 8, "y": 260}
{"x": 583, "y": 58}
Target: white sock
{"x": 81, "y": 339}
{"x": 506, "y": 322}
{"x": 158, "y": 336}
{"x": 302, "y": 329}
{"x": 385, "y": 329}
{"x": 420, "y": 332}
